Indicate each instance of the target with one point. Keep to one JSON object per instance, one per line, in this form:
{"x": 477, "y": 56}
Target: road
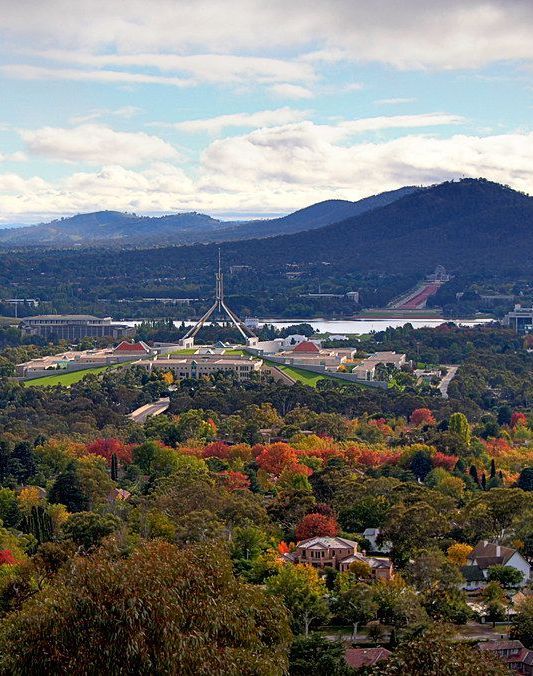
{"x": 156, "y": 408}
{"x": 444, "y": 383}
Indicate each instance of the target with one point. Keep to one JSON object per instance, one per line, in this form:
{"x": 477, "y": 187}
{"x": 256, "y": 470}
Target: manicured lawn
{"x": 65, "y": 379}
{"x": 185, "y": 350}
{"x": 300, "y": 375}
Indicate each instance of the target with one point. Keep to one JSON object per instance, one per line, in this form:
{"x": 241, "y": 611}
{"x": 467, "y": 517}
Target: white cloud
{"x": 291, "y": 91}
{"x": 411, "y": 34}
{"x": 96, "y": 144}
{"x": 394, "y": 101}
{"x": 353, "y": 87}
{"x": 125, "y": 112}
{"x": 261, "y": 118}
{"x": 399, "y": 122}
{"x": 26, "y": 72}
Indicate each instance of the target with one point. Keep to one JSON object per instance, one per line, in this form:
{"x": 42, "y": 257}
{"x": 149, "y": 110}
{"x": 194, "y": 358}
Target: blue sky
{"x": 248, "y": 108}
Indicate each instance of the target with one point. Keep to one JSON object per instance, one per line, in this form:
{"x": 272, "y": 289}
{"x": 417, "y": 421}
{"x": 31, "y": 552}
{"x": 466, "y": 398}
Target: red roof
{"x": 124, "y": 346}
{"x": 306, "y": 346}
{"x": 366, "y": 657}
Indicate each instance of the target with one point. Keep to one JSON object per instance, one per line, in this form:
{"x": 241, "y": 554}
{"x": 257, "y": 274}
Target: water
{"x": 343, "y": 326}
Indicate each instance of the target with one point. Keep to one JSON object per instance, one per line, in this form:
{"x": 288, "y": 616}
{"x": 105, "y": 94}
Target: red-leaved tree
{"x": 274, "y": 458}
{"x": 7, "y": 557}
{"x": 422, "y": 416}
{"x": 313, "y": 525}
{"x": 109, "y": 447}
{"x": 518, "y": 419}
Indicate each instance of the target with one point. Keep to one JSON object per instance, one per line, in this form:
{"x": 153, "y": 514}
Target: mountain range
{"x": 114, "y": 228}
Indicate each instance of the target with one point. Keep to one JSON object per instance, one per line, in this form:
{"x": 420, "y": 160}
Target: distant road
{"x": 444, "y": 383}
{"x": 158, "y": 407}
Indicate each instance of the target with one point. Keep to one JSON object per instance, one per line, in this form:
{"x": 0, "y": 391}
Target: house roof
{"x": 126, "y": 346}
{"x": 326, "y": 543}
{"x": 487, "y": 554}
{"x": 371, "y": 531}
{"x": 306, "y": 346}
{"x": 365, "y": 657}
{"x": 372, "y": 561}
{"x": 472, "y": 573}
{"x": 500, "y": 645}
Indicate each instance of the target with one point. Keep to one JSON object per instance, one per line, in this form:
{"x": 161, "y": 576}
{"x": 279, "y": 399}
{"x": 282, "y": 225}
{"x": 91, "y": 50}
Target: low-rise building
{"x": 359, "y": 658}
{"x": 74, "y": 327}
{"x": 366, "y": 369}
{"x": 520, "y": 319}
{"x": 339, "y": 553}
{"x": 512, "y": 653}
{"x": 486, "y": 554}
{"x": 198, "y": 366}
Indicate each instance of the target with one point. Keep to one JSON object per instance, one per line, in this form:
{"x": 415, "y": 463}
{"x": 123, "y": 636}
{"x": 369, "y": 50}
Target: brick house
{"x": 339, "y": 553}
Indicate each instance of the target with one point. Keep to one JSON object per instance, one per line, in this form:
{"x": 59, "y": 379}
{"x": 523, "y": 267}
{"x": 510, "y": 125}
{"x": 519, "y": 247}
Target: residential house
{"x": 372, "y": 535}
{"x": 357, "y": 658}
{"x": 486, "y": 554}
{"x": 512, "y": 653}
{"x": 339, "y": 553}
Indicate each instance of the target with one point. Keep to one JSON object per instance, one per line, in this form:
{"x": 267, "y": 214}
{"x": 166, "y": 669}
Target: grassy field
{"x": 65, "y": 379}
{"x": 300, "y": 375}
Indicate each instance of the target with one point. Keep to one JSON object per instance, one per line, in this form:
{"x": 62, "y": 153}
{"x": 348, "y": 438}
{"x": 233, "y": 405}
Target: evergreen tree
{"x": 483, "y": 481}
{"x": 114, "y": 467}
{"x": 492, "y": 469}
{"x": 459, "y": 425}
{"x": 473, "y": 473}
{"x": 67, "y": 490}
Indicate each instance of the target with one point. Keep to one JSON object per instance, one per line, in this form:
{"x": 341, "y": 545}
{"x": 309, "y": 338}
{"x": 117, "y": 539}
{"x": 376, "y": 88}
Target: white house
{"x": 486, "y": 554}
{"x": 372, "y": 534}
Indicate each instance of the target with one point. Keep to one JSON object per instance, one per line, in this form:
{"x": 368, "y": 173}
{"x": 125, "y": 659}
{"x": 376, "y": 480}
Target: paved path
{"x": 444, "y": 383}
{"x": 156, "y": 408}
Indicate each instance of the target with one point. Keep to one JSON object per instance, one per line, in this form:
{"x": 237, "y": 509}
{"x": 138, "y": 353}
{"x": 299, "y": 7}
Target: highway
{"x": 156, "y": 408}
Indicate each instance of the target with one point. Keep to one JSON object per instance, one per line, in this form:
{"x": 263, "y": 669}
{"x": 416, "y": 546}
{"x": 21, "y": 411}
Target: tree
{"x": 495, "y": 601}
{"x": 397, "y": 603}
{"x": 313, "y": 525}
{"x": 277, "y": 457}
{"x": 134, "y": 615}
{"x": 303, "y": 593}
{"x": 507, "y": 576}
{"x": 458, "y": 553}
{"x": 316, "y": 654}
{"x": 505, "y": 415}
{"x": 68, "y": 490}
{"x": 434, "y": 652}
{"x": 87, "y": 529}
{"x": 518, "y": 419}
{"x": 355, "y": 604}
{"x": 422, "y": 416}
{"x": 525, "y": 480}
{"x": 458, "y": 424}
{"x": 522, "y": 622}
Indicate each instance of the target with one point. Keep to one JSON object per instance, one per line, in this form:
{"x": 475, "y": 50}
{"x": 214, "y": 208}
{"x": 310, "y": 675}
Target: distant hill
{"x": 471, "y": 224}
{"x": 105, "y": 228}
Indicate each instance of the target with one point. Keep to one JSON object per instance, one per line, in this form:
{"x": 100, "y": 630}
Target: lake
{"x": 342, "y": 326}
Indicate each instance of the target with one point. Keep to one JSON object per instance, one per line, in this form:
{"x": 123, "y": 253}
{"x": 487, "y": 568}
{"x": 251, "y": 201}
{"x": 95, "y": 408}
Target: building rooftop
{"x": 327, "y": 542}
{"x": 307, "y": 346}
{"x": 357, "y": 658}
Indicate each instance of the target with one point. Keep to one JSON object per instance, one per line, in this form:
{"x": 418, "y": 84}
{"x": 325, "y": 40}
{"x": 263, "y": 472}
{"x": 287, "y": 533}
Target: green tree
{"x": 355, "y": 604}
{"x": 507, "y": 576}
{"x": 458, "y": 424}
{"x": 398, "y": 603}
{"x": 522, "y": 622}
{"x": 495, "y": 602}
{"x": 107, "y": 614}
{"x": 315, "y": 654}
{"x": 68, "y": 490}
{"x": 303, "y": 593}
{"x": 87, "y": 529}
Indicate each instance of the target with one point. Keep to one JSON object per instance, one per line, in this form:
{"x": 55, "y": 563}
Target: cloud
{"x": 96, "y": 144}
{"x": 125, "y": 112}
{"x": 261, "y": 118}
{"x": 291, "y": 91}
{"x": 353, "y": 87}
{"x": 27, "y": 72}
{"x": 400, "y": 122}
{"x": 394, "y": 101}
{"x": 411, "y": 34}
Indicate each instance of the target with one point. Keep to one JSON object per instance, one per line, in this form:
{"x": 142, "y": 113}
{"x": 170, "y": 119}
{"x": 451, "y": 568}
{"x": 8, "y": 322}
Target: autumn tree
{"x": 422, "y": 416}
{"x": 458, "y": 553}
{"x": 134, "y": 615}
{"x": 522, "y": 622}
{"x": 313, "y": 525}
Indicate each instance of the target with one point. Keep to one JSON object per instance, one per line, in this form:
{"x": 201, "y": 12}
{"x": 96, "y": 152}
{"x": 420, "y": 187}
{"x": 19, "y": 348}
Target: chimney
{"x": 485, "y": 543}
{"x": 498, "y": 550}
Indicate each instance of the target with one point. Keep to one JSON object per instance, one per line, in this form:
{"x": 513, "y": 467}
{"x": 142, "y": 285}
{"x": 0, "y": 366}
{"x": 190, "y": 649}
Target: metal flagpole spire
{"x": 221, "y": 306}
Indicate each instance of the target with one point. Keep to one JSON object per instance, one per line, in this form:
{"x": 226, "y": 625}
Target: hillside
{"x": 107, "y": 228}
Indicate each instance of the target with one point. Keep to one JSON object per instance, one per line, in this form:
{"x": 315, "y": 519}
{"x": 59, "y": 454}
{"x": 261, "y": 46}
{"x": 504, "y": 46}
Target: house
{"x": 118, "y": 495}
{"x": 486, "y": 554}
{"x": 372, "y": 535}
{"x": 339, "y": 553}
{"x": 512, "y": 653}
{"x": 357, "y": 658}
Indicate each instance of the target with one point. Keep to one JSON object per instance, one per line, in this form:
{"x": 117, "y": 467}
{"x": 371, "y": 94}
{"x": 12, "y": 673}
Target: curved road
{"x": 156, "y": 408}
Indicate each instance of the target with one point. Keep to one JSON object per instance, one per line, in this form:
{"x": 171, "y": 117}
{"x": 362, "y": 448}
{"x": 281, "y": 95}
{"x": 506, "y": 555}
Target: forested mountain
{"x": 105, "y": 228}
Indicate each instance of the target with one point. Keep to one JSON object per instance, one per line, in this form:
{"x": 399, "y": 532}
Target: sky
{"x": 249, "y": 108}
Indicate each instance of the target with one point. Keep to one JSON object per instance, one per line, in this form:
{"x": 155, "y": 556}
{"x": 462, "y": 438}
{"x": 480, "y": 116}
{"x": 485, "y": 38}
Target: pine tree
{"x": 492, "y": 469}
{"x": 459, "y": 425}
{"x": 483, "y": 481}
{"x": 114, "y": 467}
{"x": 473, "y": 473}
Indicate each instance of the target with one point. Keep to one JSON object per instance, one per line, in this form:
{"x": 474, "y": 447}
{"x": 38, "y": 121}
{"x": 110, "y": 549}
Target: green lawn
{"x": 185, "y": 350}
{"x": 65, "y": 379}
{"x": 300, "y": 375}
